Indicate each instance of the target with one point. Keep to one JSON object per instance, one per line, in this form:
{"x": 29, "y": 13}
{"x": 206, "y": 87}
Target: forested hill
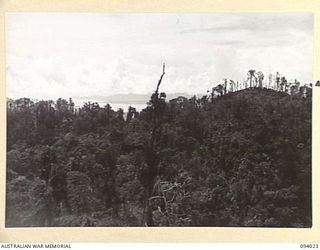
{"x": 241, "y": 159}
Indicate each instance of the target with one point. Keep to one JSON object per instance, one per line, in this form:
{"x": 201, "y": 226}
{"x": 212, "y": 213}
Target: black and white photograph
{"x": 159, "y": 119}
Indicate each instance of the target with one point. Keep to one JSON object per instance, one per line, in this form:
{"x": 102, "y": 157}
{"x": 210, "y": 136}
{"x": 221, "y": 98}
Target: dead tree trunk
{"x": 150, "y": 152}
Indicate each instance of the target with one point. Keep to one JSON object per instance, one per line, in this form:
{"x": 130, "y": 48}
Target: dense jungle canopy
{"x": 240, "y": 159}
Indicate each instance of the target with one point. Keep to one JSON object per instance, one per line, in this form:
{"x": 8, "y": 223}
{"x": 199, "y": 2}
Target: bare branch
{"x": 160, "y": 80}
{"x": 156, "y": 197}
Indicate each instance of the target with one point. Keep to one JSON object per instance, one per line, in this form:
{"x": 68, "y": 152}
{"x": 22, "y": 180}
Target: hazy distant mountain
{"x": 128, "y": 98}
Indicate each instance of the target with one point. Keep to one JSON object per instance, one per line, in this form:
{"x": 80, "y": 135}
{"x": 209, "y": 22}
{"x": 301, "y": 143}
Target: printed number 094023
{"x": 309, "y": 246}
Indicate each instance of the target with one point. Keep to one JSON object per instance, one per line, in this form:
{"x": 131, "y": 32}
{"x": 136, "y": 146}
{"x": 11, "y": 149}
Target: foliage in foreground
{"x": 242, "y": 159}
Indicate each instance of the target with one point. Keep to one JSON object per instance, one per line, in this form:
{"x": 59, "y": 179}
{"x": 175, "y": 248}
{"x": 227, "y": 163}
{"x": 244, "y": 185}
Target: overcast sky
{"x": 65, "y": 55}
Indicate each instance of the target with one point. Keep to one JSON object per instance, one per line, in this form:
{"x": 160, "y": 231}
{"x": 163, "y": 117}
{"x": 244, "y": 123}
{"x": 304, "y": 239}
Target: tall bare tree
{"x": 252, "y": 78}
{"x": 157, "y": 103}
{"x": 260, "y": 79}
